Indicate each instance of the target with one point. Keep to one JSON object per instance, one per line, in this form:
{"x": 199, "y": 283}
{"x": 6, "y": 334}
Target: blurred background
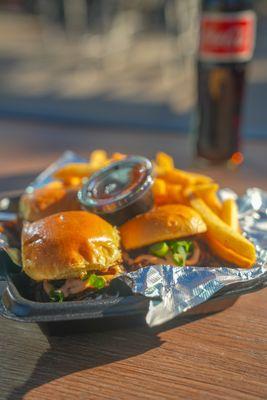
{"x": 114, "y": 63}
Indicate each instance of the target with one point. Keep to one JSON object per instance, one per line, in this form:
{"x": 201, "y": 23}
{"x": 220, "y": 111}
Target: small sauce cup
{"x": 120, "y": 191}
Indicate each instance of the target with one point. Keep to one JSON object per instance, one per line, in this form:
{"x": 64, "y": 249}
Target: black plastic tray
{"x": 92, "y": 314}
{"x": 122, "y": 310}
{"x": 86, "y": 315}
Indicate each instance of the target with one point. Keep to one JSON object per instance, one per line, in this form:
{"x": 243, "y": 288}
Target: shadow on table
{"x": 70, "y": 354}
{"x": 74, "y": 353}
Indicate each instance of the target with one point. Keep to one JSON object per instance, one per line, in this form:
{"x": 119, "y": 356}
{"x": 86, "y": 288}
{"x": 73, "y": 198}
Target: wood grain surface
{"x": 221, "y": 356}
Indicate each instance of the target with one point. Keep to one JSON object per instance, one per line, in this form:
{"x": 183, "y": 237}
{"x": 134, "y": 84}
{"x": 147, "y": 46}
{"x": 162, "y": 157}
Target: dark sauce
{"x": 120, "y": 191}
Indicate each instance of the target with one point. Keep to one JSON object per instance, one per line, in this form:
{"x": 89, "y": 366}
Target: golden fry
{"x": 200, "y": 189}
{"x": 73, "y": 173}
{"x": 178, "y": 177}
{"x": 118, "y": 156}
{"x": 207, "y": 192}
{"x": 185, "y": 178}
{"x": 223, "y": 233}
{"x": 159, "y": 189}
{"x": 98, "y": 157}
{"x": 199, "y": 178}
{"x": 73, "y": 181}
{"x": 227, "y": 254}
{"x": 164, "y": 161}
{"x": 229, "y": 214}
{"x": 74, "y": 170}
{"x": 174, "y": 193}
{"x": 211, "y": 199}
{"x": 167, "y": 193}
{"x": 165, "y": 168}
{"x": 158, "y": 171}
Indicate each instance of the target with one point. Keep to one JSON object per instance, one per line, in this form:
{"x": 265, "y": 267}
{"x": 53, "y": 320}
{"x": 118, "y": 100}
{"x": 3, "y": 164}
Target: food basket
{"x": 151, "y": 295}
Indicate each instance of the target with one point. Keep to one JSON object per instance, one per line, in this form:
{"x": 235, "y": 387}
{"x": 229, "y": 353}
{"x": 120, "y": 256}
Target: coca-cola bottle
{"x": 227, "y": 32}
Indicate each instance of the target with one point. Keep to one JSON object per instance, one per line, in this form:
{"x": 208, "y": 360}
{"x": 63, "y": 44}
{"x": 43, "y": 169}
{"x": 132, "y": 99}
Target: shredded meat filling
{"x": 147, "y": 259}
{"x": 70, "y": 287}
{"x": 74, "y": 286}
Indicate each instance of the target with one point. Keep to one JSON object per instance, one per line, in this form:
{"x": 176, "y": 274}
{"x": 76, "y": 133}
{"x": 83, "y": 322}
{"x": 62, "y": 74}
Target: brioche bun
{"x": 50, "y": 199}
{"x": 67, "y": 244}
{"x": 162, "y": 223}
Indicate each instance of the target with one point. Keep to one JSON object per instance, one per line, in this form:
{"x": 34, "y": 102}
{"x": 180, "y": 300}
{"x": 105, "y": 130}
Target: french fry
{"x": 207, "y": 192}
{"x": 227, "y": 254}
{"x": 73, "y": 173}
{"x": 199, "y": 178}
{"x": 178, "y": 177}
{"x": 98, "y": 157}
{"x": 73, "y": 181}
{"x": 211, "y": 199}
{"x": 165, "y": 168}
{"x": 174, "y": 193}
{"x": 159, "y": 189}
{"x": 118, "y": 156}
{"x": 159, "y": 172}
{"x": 167, "y": 193}
{"x": 223, "y": 233}
{"x": 184, "y": 178}
{"x": 74, "y": 170}
{"x": 201, "y": 188}
{"x": 164, "y": 161}
{"x": 229, "y": 214}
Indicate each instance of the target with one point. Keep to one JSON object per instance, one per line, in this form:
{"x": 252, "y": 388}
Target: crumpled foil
{"x": 174, "y": 290}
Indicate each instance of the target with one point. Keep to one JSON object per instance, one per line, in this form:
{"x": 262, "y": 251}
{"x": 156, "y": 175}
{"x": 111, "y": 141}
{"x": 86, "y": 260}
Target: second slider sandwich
{"x": 165, "y": 235}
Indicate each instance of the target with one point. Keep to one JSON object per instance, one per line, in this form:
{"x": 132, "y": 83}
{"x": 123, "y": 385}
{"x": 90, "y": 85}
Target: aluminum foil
{"x": 174, "y": 290}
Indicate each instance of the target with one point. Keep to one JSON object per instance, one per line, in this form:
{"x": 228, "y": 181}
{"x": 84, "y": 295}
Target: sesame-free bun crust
{"x": 161, "y": 223}
{"x": 50, "y": 199}
{"x": 67, "y": 244}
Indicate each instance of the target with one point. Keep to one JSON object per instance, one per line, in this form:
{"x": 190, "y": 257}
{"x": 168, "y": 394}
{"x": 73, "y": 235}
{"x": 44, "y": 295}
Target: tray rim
{"x": 10, "y": 295}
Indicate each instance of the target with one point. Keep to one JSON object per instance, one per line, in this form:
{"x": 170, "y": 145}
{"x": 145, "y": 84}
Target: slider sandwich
{"x": 166, "y": 235}
{"x": 70, "y": 254}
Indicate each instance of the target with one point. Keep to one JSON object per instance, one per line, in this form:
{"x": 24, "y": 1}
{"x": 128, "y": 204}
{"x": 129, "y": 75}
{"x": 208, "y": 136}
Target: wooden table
{"x": 223, "y": 356}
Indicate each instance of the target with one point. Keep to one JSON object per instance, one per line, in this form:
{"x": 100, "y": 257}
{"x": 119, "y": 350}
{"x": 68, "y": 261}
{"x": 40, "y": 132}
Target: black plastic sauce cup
{"x": 120, "y": 191}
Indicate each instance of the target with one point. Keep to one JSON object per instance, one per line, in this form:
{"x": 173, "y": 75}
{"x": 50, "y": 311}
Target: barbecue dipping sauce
{"x": 120, "y": 191}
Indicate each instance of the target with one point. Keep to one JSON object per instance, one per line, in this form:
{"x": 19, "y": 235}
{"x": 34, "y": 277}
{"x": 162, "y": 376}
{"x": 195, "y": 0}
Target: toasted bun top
{"x": 67, "y": 244}
{"x": 50, "y": 199}
{"x": 162, "y": 223}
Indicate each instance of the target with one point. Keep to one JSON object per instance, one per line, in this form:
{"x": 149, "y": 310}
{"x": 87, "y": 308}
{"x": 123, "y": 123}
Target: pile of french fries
{"x": 173, "y": 185}
{"x": 73, "y": 174}
{"x": 223, "y": 234}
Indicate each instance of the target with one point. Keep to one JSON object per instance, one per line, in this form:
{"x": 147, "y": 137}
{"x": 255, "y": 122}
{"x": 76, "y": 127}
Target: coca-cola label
{"x": 227, "y": 37}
